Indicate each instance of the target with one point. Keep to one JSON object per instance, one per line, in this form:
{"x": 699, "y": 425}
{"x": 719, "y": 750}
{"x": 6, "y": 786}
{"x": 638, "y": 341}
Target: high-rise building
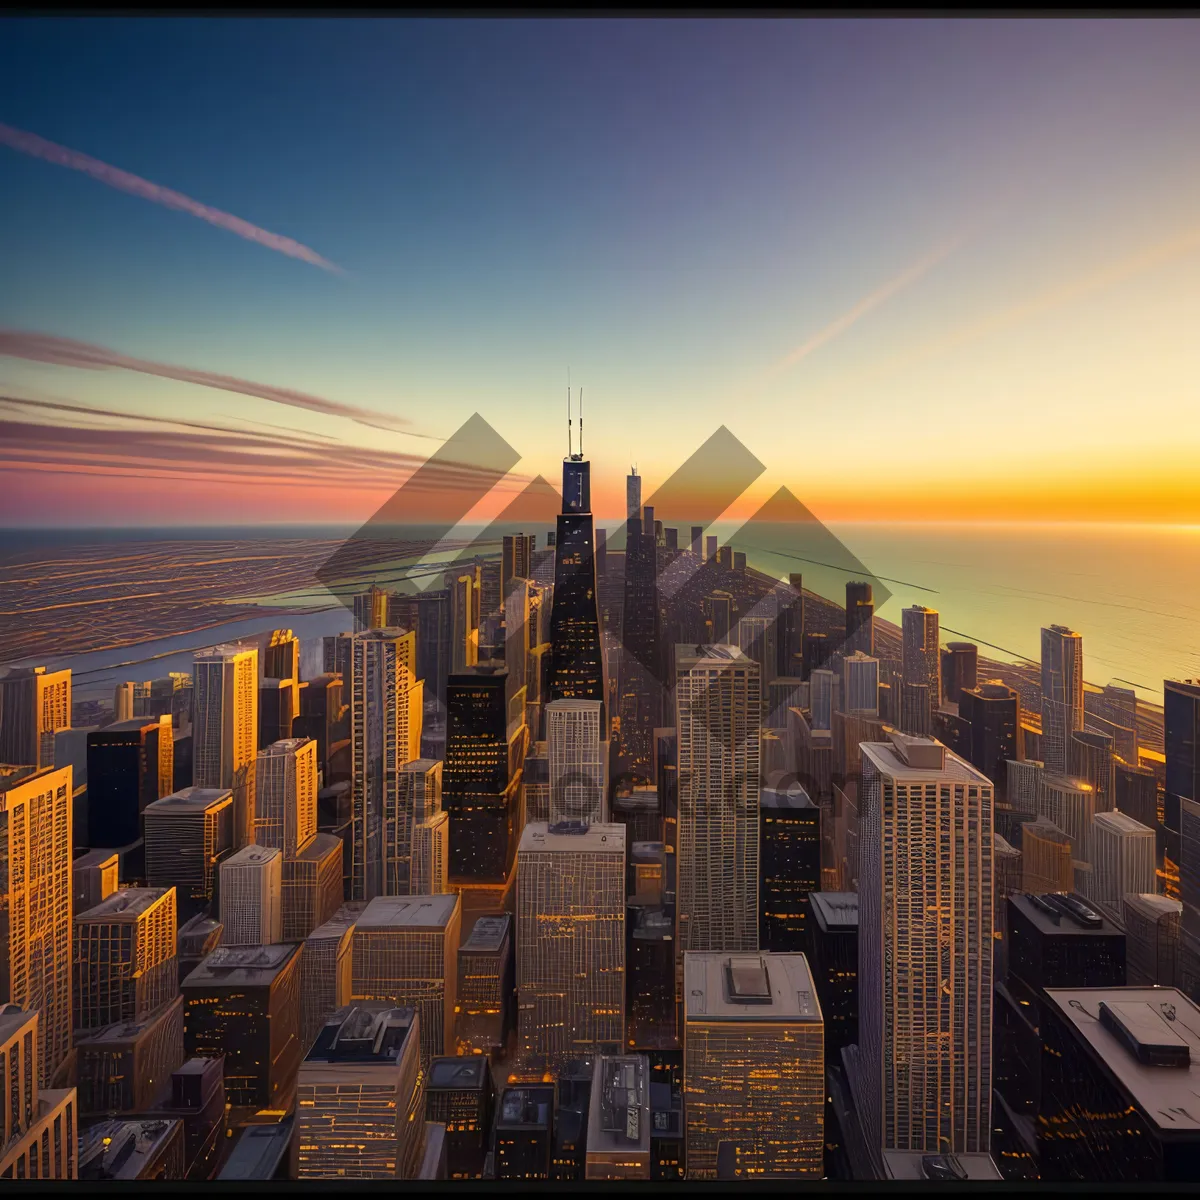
{"x": 416, "y": 798}
{"x": 124, "y": 961}
{"x": 278, "y": 707}
{"x": 1024, "y": 784}
{"x": 322, "y": 713}
{"x": 130, "y": 765}
{"x": 312, "y": 886}
{"x": 188, "y": 835}
{"x": 244, "y": 1002}
{"x": 860, "y": 683}
{"x": 285, "y": 811}
{"x": 994, "y": 712}
{"x": 697, "y": 541}
{"x": 404, "y": 953}
{"x": 197, "y": 1099}
{"x": 578, "y": 757}
{"x": 926, "y": 888}
{"x": 34, "y": 705}
{"x": 35, "y": 881}
{"x": 430, "y": 873}
{"x": 370, "y": 609}
{"x": 93, "y": 878}
{"x": 1090, "y": 756}
{"x": 718, "y": 698}
{"x": 35, "y": 1121}
{"x": 789, "y": 863}
{"x": 960, "y": 669}
{"x": 123, "y": 1068}
{"x": 1181, "y": 815}
{"x": 577, "y": 662}
{"x": 123, "y": 702}
{"x": 618, "y": 1127}
{"x": 816, "y": 653}
{"x": 524, "y": 1132}
{"x": 1105, "y": 1115}
{"x": 225, "y": 728}
{"x": 385, "y": 723}
{"x": 1135, "y": 792}
{"x": 1123, "y": 855}
{"x": 326, "y": 977}
{"x": 570, "y": 940}
{"x": 1071, "y": 805}
{"x": 641, "y": 693}
{"x": 485, "y": 745}
{"x": 361, "y": 1097}
{"x": 789, "y": 642}
{"x": 753, "y": 1064}
{"x": 459, "y": 1095}
{"x": 1046, "y": 858}
{"x": 860, "y": 619}
{"x": 921, "y": 666}
{"x": 517, "y": 554}
{"x": 1062, "y": 694}
{"x": 252, "y": 897}
{"x": 1151, "y": 940}
{"x": 834, "y": 965}
{"x": 486, "y": 982}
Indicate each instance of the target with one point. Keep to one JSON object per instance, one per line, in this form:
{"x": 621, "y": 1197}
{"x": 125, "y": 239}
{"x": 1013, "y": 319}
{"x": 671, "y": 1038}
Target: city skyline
{"x": 1007, "y": 261}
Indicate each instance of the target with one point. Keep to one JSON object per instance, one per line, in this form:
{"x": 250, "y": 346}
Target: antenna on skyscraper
{"x": 581, "y": 422}
{"x": 570, "y": 447}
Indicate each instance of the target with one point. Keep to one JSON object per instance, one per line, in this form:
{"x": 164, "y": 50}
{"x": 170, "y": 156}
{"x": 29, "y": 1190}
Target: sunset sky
{"x": 256, "y": 270}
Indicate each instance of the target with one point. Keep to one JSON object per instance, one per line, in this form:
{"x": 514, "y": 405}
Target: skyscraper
{"x": 718, "y": 699}
{"x": 1046, "y": 858}
{"x": 35, "y": 880}
{"x": 570, "y": 941}
{"x": 417, "y": 799}
{"x": 1181, "y": 815}
{"x": 385, "y": 734}
{"x": 33, "y": 1119}
{"x": 923, "y": 1077}
{"x": 34, "y": 705}
{"x": 1123, "y": 854}
{"x": 860, "y": 683}
{"x": 994, "y": 712}
{"x": 921, "y": 667}
{"x": 225, "y": 728}
{"x": 404, "y": 953}
{"x": 285, "y": 812}
{"x": 577, "y": 663}
{"x": 960, "y": 669}
{"x": 188, "y": 835}
{"x": 1090, "y": 756}
{"x": 462, "y": 585}
{"x": 789, "y": 863}
{"x": 130, "y": 765}
{"x": 1062, "y": 694}
{"x": 578, "y": 761}
{"x": 361, "y": 1096}
{"x": 252, "y": 897}
{"x": 486, "y": 979}
{"x": 789, "y": 642}
{"x": 1071, "y": 805}
{"x": 753, "y": 1055}
{"x": 326, "y": 977}
{"x": 860, "y": 619}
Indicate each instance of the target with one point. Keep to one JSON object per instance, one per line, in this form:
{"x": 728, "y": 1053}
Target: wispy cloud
{"x": 67, "y": 352}
{"x": 39, "y": 147}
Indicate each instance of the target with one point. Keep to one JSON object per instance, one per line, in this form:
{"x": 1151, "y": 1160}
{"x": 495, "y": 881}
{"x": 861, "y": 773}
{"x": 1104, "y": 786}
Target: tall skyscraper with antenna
{"x": 576, "y": 657}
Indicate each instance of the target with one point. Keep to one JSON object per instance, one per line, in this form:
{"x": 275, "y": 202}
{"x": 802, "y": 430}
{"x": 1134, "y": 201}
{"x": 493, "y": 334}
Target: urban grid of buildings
{"x": 603, "y": 861}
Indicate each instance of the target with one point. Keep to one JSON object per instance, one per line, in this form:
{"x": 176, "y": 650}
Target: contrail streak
{"x": 67, "y": 352}
{"x": 38, "y": 147}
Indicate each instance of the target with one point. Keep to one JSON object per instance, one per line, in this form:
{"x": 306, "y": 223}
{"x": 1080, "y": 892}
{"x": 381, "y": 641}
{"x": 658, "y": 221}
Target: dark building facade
{"x": 459, "y": 1095}
{"x": 834, "y": 939}
{"x": 130, "y": 765}
{"x": 993, "y": 711}
{"x": 789, "y": 864}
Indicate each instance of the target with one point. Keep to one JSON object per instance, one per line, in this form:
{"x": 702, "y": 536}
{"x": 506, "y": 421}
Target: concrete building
{"x": 486, "y": 983}
{"x": 252, "y": 897}
{"x": 404, "y": 953}
{"x": 1062, "y": 695}
{"x": 578, "y": 754}
{"x": 34, "y": 705}
{"x": 460, "y": 1096}
{"x": 1151, "y": 940}
{"x": 361, "y": 1097}
{"x": 618, "y": 1134}
{"x": 570, "y": 940}
{"x": 753, "y": 1064}
{"x": 1124, "y": 856}
{"x": 326, "y": 974}
{"x": 1046, "y": 858}
{"x": 124, "y": 1067}
{"x": 1071, "y": 805}
{"x": 143, "y": 1149}
{"x": 188, "y": 835}
{"x": 285, "y": 812}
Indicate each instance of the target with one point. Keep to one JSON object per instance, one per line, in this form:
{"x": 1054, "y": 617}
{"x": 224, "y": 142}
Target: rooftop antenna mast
{"x": 570, "y": 445}
{"x": 581, "y": 422}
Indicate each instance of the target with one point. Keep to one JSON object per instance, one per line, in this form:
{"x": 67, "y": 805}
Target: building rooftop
{"x": 910, "y": 758}
{"x": 525, "y": 1107}
{"x": 368, "y": 1032}
{"x": 95, "y": 858}
{"x": 1119, "y": 822}
{"x": 748, "y": 987}
{"x": 284, "y": 745}
{"x": 199, "y": 929}
{"x": 618, "y": 1116}
{"x": 128, "y": 903}
{"x": 690, "y": 655}
{"x": 784, "y": 790}
{"x": 906, "y": 1164}
{"x": 12, "y": 1017}
{"x": 1142, "y": 1026}
{"x": 190, "y": 800}
{"x": 259, "y": 1153}
{"x": 488, "y": 935}
{"x": 242, "y": 966}
{"x": 124, "y": 1031}
{"x": 654, "y": 923}
{"x": 408, "y": 912}
{"x": 340, "y": 924}
{"x": 117, "y": 1149}
{"x": 469, "y": 1073}
{"x": 596, "y": 839}
{"x": 1066, "y": 783}
{"x": 419, "y": 766}
{"x": 1044, "y": 829}
{"x": 1153, "y": 905}
{"x": 643, "y": 798}
{"x": 1054, "y": 913}
{"x": 223, "y": 651}
{"x": 835, "y": 911}
{"x": 319, "y": 847}
{"x": 252, "y": 856}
